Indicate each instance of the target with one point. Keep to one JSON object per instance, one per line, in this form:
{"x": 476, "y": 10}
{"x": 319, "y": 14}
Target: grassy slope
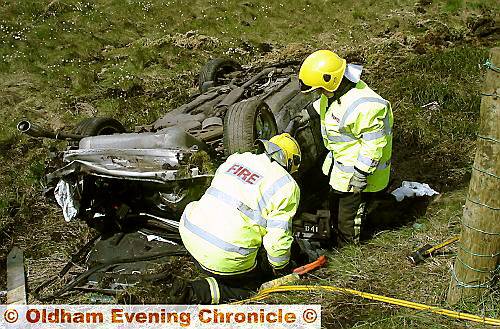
{"x": 380, "y": 267}
{"x": 62, "y": 61}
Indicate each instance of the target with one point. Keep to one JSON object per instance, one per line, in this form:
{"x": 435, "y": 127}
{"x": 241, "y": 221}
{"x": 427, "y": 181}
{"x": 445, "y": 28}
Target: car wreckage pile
{"x": 133, "y": 186}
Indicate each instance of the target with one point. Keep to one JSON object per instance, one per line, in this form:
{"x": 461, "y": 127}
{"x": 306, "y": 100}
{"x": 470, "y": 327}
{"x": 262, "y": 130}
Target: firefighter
{"x": 239, "y": 232}
{"x": 356, "y": 126}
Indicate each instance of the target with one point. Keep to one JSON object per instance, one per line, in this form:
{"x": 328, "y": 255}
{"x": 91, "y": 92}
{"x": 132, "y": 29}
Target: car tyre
{"x": 213, "y": 70}
{"x": 96, "y": 127}
{"x": 99, "y": 126}
{"x": 246, "y": 122}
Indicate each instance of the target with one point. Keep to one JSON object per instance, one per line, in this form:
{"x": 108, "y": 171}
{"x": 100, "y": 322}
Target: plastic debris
{"x": 412, "y": 189}
{"x": 64, "y": 197}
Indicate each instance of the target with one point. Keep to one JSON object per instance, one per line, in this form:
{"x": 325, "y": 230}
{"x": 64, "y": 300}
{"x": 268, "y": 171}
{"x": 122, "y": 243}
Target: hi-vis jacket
{"x": 250, "y": 202}
{"x": 357, "y": 130}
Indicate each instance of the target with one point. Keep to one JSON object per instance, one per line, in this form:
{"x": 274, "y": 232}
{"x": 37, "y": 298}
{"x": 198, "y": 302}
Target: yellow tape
{"x": 400, "y": 302}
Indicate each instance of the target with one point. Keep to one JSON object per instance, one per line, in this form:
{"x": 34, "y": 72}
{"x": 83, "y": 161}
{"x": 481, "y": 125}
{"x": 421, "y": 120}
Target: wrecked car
{"x": 109, "y": 176}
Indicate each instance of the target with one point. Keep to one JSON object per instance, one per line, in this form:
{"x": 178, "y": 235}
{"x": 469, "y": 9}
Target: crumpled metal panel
{"x": 156, "y": 165}
{"x": 168, "y": 138}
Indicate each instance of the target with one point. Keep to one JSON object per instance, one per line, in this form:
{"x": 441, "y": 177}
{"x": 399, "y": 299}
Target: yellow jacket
{"x": 357, "y": 130}
{"x": 251, "y": 202}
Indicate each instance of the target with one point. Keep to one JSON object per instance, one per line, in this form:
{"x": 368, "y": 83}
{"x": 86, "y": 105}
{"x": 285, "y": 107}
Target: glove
{"x": 358, "y": 182}
{"x": 181, "y": 293}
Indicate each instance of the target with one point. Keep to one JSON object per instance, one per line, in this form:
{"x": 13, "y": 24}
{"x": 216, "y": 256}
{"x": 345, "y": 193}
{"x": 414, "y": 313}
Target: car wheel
{"x": 244, "y": 123}
{"x": 214, "y": 70}
{"x": 99, "y": 126}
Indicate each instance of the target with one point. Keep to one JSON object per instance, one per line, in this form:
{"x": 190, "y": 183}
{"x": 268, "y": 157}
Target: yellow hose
{"x": 417, "y": 306}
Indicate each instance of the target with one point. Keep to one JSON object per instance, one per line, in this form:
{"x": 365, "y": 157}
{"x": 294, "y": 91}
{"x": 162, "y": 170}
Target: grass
{"x": 449, "y": 78}
{"x": 380, "y": 266}
{"x": 484, "y": 5}
{"x": 454, "y": 5}
{"x": 62, "y": 61}
{"x": 436, "y": 99}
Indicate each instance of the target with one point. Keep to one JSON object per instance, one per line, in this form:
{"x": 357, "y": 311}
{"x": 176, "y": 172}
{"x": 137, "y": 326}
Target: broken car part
{"x": 16, "y": 277}
{"x": 34, "y": 130}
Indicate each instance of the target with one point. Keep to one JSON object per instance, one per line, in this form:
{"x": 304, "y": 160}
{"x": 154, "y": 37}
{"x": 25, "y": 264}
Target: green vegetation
{"x": 379, "y": 266}
{"x": 440, "y": 96}
{"x": 65, "y": 60}
{"x": 454, "y": 5}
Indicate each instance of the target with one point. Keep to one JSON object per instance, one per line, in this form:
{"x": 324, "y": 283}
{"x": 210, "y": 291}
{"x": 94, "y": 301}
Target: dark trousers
{"x": 347, "y": 214}
{"x": 231, "y": 287}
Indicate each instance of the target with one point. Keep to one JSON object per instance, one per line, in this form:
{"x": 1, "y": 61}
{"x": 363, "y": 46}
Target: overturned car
{"x": 110, "y": 178}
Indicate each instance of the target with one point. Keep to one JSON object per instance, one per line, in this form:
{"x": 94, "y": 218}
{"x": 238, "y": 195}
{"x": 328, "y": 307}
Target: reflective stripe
{"x": 347, "y": 169}
{"x": 374, "y": 135}
{"x": 341, "y": 138}
{"x": 323, "y": 130}
{"x": 272, "y": 223}
{"x": 209, "y": 237}
{"x": 358, "y": 221}
{"x": 243, "y": 208}
{"x": 350, "y": 169}
{"x": 214, "y": 290}
{"x": 272, "y": 190}
{"x": 387, "y": 126}
{"x": 366, "y": 160}
{"x": 336, "y": 139}
{"x": 357, "y": 103}
{"x": 384, "y": 165}
{"x": 279, "y": 259}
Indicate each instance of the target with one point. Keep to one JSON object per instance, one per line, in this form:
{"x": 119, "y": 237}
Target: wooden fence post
{"x": 479, "y": 246}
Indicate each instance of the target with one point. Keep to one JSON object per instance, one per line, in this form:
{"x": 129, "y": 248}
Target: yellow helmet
{"x": 321, "y": 69}
{"x": 285, "y": 150}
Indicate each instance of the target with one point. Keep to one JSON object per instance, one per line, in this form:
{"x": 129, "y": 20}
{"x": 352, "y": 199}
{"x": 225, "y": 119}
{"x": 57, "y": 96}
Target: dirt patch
{"x": 292, "y": 52}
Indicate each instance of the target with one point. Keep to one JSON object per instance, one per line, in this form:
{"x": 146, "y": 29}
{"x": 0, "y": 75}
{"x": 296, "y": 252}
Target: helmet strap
{"x": 289, "y": 165}
{"x": 344, "y": 87}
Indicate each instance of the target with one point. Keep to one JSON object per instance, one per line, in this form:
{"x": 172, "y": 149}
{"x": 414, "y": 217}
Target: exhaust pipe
{"x": 36, "y": 131}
